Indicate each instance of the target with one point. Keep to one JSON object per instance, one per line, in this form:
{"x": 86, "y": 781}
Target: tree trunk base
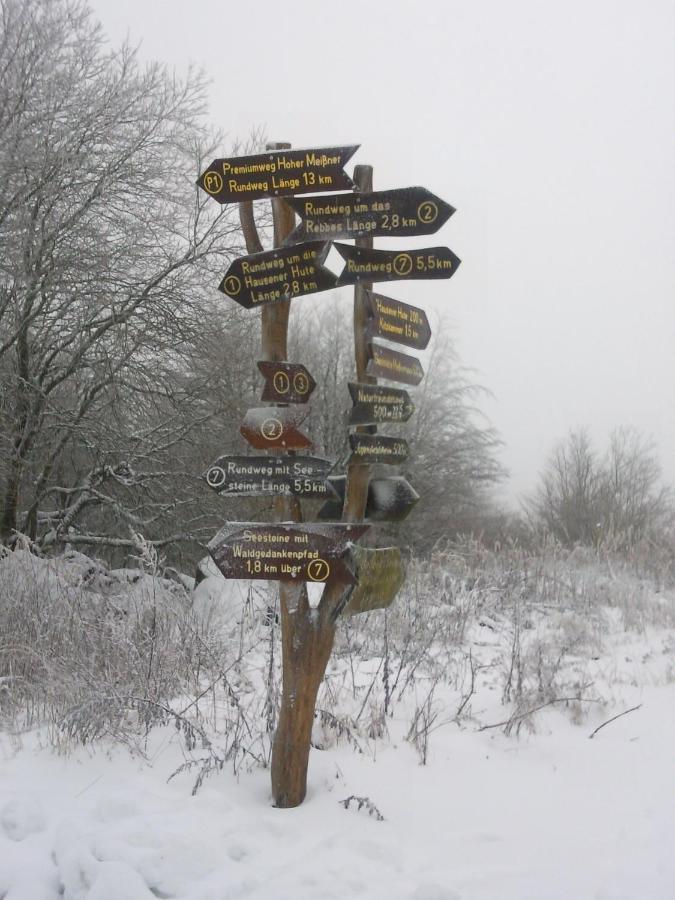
{"x": 307, "y": 643}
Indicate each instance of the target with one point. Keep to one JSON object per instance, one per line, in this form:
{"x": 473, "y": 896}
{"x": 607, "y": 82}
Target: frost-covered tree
{"x": 566, "y": 502}
{"x": 453, "y": 462}
{"x": 583, "y": 497}
{"x": 105, "y": 245}
{"x": 633, "y": 499}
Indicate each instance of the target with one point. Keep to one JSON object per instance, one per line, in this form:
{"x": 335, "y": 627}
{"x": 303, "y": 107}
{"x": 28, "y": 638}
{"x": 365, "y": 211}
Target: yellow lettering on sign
{"x": 318, "y": 570}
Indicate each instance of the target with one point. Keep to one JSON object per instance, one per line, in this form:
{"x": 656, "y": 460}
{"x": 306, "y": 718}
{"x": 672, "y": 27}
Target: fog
{"x": 550, "y": 128}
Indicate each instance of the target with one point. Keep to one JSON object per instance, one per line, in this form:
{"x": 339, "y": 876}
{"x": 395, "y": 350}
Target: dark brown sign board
{"x": 374, "y": 403}
{"x": 303, "y": 476}
{"x": 399, "y": 213}
{"x": 397, "y": 322}
{"x": 369, "y": 449}
{"x": 278, "y": 173}
{"x": 286, "y": 382}
{"x": 389, "y": 499}
{"x": 289, "y": 552}
{"x": 275, "y": 275}
{"x": 394, "y": 366}
{"x": 363, "y": 264}
{"x": 269, "y": 428}
{"x": 379, "y": 574}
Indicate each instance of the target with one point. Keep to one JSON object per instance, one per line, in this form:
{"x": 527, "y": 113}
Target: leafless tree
{"x": 453, "y": 462}
{"x": 109, "y": 255}
{"x": 584, "y": 498}
{"x": 633, "y": 499}
{"x": 566, "y": 502}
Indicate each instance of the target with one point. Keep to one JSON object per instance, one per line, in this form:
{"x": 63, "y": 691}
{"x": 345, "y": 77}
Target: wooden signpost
{"x": 269, "y": 429}
{"x": 362, "y": 265}
{"x": 286, "y": 382}
{"x": 277, "y": 173}
{"x": 379, "y": 576}
{"x": 318, "y": 553}
{"x": 399, "y": 213}
{"x": 393, "y": 366}
{"x": 289, "y": 551}
{"x": 398, "y": 322}
{"x": 253, "y": 476}
{"x": 368, "y": 449}
{"x": 278, "y": 275}
{"x": 374, "y": 403}
{"x": 389, "y": 499}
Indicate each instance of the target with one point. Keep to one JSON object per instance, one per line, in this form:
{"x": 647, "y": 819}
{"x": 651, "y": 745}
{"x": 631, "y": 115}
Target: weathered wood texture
{"x": 358, "y": 476}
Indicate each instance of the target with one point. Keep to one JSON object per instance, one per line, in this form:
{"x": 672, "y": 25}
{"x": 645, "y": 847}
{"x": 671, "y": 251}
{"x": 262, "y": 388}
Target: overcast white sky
{"x": 550, "y": 128}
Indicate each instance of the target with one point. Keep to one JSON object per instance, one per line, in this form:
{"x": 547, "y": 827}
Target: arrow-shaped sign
{"x": 394, "y": 366}
{"x": 399, "y": 213}
{"x": 369, "y": 449}
{"x": 389, "y": 499}
{"x": 253, "y": 476}
{"x": 286, "y": 382}
{"x": 267, "y": 428}
{"x": 397, "y": 322}
{"x": 363, "y": 264}
{"x": 380, "y": 575}
{"x": 316, "y": 553}
{"x": 278, "y": 275}
{"x": 375, "y": 403}
{"x": 278, "y": 173}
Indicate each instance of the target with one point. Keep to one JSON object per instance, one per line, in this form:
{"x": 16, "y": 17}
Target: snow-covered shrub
{"x": 93, "y": 653}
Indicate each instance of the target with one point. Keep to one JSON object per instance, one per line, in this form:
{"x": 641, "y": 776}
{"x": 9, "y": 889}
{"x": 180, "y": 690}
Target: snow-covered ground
{"x": 541, "y": 812}
{"x": 554, "y": 815}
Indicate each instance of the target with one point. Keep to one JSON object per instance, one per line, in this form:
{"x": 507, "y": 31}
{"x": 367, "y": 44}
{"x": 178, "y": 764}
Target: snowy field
{"x": 483, "y": 795}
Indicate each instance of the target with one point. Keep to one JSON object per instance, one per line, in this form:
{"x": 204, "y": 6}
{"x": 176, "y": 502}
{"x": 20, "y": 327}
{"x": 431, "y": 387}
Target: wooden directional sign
{"x": 398, "y": 322}
{"x": 399, "y": 213}
{"x": 278, "y": 173}
{"x": 267, "y": 428}
{"x": 362, "y": 264}
{"x": 379, "y": 574}
{"x": 389, "y": 499}
{"x": 252, "y": 476}
{"x": 368, "y": 449}
{"x": 394, "y": 366}
{"x": 286, "y": 382}
{"x": 375, "y": 403}
{"x": 291, "y": 552}
{"x": 278, "y": 275}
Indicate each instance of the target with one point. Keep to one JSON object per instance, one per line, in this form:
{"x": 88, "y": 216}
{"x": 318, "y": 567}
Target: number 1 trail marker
{"x": 286, "y": 382}
{"x": 274, "y": 275}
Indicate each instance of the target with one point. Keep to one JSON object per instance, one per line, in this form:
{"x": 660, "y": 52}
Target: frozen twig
{"x": 535, "y": 709}
{"x": 617, "y": 716}
{"x": 363, "y": 802}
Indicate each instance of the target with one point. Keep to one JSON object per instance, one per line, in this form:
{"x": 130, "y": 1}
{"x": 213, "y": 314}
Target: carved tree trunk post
{"x": 356, "y": 488}
{"x": 305, "y": 645}
{"x": 307, "y": 635}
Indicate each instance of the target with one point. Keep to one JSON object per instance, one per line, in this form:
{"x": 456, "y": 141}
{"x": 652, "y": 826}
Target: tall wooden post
{"x": 306, "y": 639}
{"x": 307, "y": 636}
{"x": 308, "y": 632}
{"x": 356, "y": 489}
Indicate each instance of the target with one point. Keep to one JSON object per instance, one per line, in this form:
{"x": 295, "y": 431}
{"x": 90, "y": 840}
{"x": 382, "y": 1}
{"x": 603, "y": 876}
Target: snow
{"x": 538, "y": 812}
{"x": 552, "y": 815}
